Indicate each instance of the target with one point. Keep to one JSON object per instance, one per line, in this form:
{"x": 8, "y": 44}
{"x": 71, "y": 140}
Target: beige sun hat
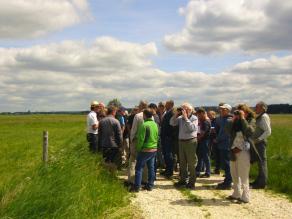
{"x": 94, "y": 103}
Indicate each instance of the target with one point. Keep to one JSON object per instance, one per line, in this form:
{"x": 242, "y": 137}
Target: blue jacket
{"x": 223, "y": 138}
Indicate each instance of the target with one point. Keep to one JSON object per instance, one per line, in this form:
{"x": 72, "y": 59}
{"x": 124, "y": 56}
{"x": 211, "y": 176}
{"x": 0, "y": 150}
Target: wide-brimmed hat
{"x": 94, "y": 103}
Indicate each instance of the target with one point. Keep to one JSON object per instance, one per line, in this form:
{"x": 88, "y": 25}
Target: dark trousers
{"x": 112, "y": 155}
{"x": 262, "y": 177}
{"x": 225, "y": 165}
{"x": 203, "y": 157}
{"x": 143, "y": 158}
{"x": 216, "y": 156}
{"x": 175, "y": 153}
{"x": 93, "y": 142}
{"x": 159, "y": 157}
{"x": 167, "y": 148}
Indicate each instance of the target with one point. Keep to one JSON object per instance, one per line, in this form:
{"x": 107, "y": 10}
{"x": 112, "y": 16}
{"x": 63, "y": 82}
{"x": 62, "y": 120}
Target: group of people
{"x": 182, "y": 139}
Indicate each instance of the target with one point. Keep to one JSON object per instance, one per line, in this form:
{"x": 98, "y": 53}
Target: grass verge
{"x": 74, "y": 184}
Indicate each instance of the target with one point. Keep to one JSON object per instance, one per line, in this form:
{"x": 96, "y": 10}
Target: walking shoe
{"x": 163, "y": 172}
{"x": 217, "y": 172}
{"x": 206, "y": 175}
{"x": 223, "y": 186}
{"x": 241, "y": 201}
{"x": 166, "y": 174}
{"x": 190, "y": 186}
{"x": 134, "y": 189}
{"x": 231, "y": 198}
{"x": 127, "y": 183}
{"x": 179, "y": 184}
{"x": 256, "y": 186}
{"x": 148, "y": 188}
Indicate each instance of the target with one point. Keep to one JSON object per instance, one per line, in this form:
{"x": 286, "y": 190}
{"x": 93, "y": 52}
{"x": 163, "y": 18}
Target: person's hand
{"x": 256, "y": 141}
{"x": 241, "y": 114}
{"x": 184, "y": 114}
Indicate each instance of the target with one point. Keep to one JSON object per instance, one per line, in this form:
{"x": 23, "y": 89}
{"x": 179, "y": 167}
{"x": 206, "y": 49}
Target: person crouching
{"x": 242, "y": 128}
{"x": 146, "y": 147}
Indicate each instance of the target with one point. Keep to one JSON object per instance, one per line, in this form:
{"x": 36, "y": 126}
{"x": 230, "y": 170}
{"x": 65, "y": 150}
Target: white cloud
{"x": 223, "y": 25}
{"x": 68, "y": 75}
{"x": 34, "y": 18}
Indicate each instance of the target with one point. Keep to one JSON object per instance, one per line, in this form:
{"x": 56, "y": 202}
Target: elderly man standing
{"x": 188, "y": 127}
{"x": 92, "y": 127}
{"x": 262, "y": 132}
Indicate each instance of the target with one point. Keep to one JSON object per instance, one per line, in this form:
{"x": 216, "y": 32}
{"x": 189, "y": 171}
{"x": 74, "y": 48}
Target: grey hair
{"x": 263, "y": 105}
{"x": 188, "y": 105}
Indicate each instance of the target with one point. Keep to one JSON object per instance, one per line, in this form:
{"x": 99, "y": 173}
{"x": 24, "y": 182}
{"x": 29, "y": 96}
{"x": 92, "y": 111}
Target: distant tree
{"x": 115, "y": 102}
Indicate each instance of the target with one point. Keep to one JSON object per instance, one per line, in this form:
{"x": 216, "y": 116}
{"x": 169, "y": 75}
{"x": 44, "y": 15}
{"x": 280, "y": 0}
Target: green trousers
{"x": 188, "y": 160}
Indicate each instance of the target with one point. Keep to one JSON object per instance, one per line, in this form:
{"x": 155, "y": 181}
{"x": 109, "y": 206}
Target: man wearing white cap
{"x": 223, "y": 141}
{"x": 92, "y": 127}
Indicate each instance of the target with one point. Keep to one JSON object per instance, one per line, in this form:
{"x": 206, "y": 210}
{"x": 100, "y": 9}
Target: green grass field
{"x": 74, "y": 184}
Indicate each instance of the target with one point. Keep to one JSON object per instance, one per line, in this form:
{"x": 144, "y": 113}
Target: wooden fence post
{"x": 45, "y": 146}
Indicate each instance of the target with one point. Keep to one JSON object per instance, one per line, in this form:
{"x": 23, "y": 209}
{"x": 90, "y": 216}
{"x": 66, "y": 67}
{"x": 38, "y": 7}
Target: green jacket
{"x": 147, "y": 135}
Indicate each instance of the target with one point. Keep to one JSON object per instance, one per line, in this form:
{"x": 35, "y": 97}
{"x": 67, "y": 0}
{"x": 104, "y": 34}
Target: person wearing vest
{"x": 262, "y": 132}
{"x": 146, "y": 147}
{"x": 241, "y": 130}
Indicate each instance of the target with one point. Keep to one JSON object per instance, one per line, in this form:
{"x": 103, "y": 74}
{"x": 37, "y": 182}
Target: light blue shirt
{"x": 188, "y": 128}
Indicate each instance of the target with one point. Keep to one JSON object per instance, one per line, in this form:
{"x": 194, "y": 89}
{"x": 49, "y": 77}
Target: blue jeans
{"x": 203, "y": 157}
{"x": 142, "y": 159}
{"x": 167, "y": 148}
{"x": 225, "y": 162}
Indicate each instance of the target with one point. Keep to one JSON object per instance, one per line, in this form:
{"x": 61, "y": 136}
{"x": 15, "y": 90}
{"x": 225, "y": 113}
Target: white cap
{"x": 226, "y": 106}
{"x": 94, "y": 103}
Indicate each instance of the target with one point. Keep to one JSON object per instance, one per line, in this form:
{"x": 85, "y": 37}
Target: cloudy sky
{"x": 61, "y": 54}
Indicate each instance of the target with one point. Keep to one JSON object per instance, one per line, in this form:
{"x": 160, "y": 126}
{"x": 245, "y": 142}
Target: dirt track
{"x": 167, "y": 202}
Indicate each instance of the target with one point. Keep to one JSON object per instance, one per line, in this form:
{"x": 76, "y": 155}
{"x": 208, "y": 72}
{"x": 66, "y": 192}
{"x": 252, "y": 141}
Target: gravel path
{"x": 167, "y": 202}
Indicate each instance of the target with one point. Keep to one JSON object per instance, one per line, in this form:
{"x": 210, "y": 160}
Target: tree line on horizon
{"x": 272, "y": 109}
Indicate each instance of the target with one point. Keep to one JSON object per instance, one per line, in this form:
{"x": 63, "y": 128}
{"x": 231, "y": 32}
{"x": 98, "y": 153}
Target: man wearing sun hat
{"x": 223, "y": 140}
{"x": 92, "y": 127}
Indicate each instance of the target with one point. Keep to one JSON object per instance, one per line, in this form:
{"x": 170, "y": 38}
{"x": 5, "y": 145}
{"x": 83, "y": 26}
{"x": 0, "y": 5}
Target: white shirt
{"x": 92, "y": 120}
{"x": 265, "y": 125}
{"x": 240, "y": 143}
